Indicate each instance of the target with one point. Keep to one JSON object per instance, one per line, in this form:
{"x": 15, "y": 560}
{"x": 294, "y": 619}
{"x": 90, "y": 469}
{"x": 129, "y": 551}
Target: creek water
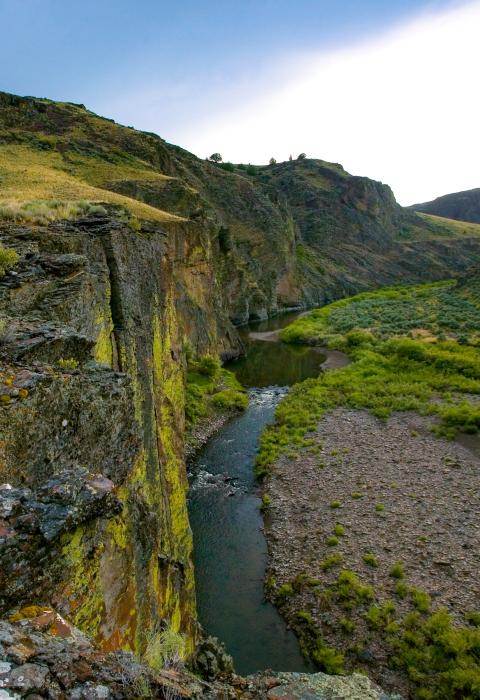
{"x": 230, "y": 550}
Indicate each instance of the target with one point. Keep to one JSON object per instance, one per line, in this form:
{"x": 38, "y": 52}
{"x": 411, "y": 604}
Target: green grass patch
{"x": 440, "y": 658}
{"x": 331, "y": 561}
{"x": 398, "y": 374}
{"x": 371, "y": 560}
{"x": 45, "y": 211}
{"x": 398, "y": 570}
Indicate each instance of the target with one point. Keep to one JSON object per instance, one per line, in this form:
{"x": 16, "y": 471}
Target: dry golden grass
{"x": 99, "y": 172}
{"x": 27, "y": 175}
{"x": 459, "y": 228}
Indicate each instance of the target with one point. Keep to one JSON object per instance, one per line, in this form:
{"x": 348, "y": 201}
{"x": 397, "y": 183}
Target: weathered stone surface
{"x": 67, "y": 666}
{"x": 320, "y": 686}
{"x": 211, "y": 659}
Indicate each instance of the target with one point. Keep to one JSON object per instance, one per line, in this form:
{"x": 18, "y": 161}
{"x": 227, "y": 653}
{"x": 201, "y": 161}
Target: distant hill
{"x": 290, "y": 234}
{"x": 463, "y": 206}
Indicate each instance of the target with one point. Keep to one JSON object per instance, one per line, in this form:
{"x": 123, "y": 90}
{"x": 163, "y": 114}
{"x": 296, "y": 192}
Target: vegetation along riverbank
{"x": 372, "y": 506}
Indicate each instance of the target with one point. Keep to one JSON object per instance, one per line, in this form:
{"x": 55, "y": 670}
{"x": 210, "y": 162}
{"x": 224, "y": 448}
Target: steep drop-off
{"x": 95, "y": 322}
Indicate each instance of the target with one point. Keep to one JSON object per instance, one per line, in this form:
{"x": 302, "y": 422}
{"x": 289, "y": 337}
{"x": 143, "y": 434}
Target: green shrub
{"x": 401, "y": 589}
{"x": 68, "y": 363}
{"x": 332, "y": 541}
{"x": 285, "y": 591}
{"x": 379, "y": 507}
{"x": 370, "y": 559}
{"x": 331, "y": 561}
{"x": 266, "y": 502}
{"x": 208, "y": 365}
{"x": 358, "y": 338}
{"x": 210, "y": 388}
{"x": 440, "y": 658}
{"x": 339, "y": 530}
{"x": 230, "y": 399}
{"x": 350, "y": 590}
{"x": 335, "y": 504}
{"x": 347, "y": 625}
{"x": 164, "y": 649}
{"x": 134, "y": 224}
{"x": 398, "y": 570}
{"x": 8, "y": 259}
{"x": 328, "y": 659}
{"x": 473, "y": 617}
{"x": 420, "y": 599}
{"x": 464, "y": 417}
{"x": 381, "y": 616}
{"x": 229, "y": 167}
{"x": 304, "y": 616}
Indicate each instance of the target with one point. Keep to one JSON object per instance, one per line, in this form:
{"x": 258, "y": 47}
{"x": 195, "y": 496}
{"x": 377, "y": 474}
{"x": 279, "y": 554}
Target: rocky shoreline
{"x": 203, "y": 431}
{"x": 43, "y": 656}
{"x": 399, "y": 494}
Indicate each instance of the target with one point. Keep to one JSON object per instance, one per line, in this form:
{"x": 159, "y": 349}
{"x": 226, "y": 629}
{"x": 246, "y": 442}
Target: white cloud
{"x": 402, "y": 107}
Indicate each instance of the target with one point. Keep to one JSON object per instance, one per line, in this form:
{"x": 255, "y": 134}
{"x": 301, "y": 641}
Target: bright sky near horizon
{"x": 389, "y": 88}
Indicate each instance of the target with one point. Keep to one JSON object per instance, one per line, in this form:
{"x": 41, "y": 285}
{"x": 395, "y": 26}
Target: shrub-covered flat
{"x": 372, "y": 509}
{"x": 430, "y": 311}
{"x": 391, "y": 370}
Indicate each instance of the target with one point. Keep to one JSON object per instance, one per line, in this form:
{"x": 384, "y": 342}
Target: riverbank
{"x": 364, "y": 496}
{"x": 213, "y": 396}
{"x": 372, "y": 515}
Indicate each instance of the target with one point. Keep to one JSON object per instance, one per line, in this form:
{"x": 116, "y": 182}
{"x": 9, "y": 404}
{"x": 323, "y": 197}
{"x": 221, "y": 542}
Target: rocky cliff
{"x": 96, "y": 318}
{"x": 131, "y": 251}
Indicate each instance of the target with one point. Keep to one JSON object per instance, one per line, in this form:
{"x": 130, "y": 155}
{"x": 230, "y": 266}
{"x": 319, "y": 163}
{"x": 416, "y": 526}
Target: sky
{"x": 388, "y": 88}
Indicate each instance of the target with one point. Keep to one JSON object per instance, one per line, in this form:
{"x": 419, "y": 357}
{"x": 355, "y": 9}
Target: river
{"x": 230, "y": 550}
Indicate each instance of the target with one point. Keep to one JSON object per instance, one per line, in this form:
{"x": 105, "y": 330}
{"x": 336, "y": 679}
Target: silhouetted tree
{"x": 301, "y": 156}
{"x": 290, "y": 157}
{"x": 216, "y": 158}
{"x": 272, "y": 161}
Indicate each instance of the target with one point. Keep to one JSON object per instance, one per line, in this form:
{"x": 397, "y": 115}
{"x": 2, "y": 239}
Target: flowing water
{"x": 229, "y": 545}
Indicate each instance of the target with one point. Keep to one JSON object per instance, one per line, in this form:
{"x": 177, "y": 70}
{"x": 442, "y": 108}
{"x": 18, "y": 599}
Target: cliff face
{"x": 97, "y": 317}
{"x": 464, "y": 206}
{"x": 350, "y": 234}
{"x": 95, "y": 322}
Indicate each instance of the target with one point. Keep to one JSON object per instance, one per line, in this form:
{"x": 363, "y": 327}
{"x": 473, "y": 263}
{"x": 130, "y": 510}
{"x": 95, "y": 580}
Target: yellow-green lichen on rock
{"x": 124, "y": 572}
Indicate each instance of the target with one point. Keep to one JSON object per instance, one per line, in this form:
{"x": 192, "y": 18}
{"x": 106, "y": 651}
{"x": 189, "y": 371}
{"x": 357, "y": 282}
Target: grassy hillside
{"x": 62, "y": 152}
{"x": 299, "y": 233}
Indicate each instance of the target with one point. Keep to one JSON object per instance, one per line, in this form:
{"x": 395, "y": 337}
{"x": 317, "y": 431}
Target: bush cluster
{"x": 210, "y": 388}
